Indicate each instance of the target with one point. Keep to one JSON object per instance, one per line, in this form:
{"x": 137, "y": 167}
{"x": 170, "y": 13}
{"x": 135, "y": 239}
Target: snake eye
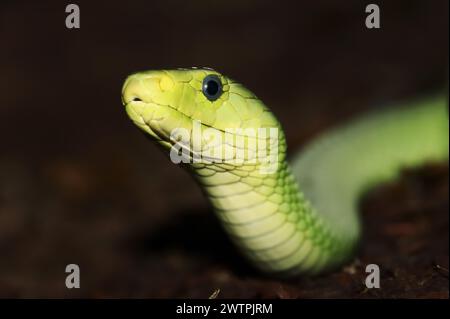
{"x": 212, "y": 87}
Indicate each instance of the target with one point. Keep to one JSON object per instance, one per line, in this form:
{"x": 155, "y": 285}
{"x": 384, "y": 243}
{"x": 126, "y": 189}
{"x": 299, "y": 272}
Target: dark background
{"x": 79, "y": 183}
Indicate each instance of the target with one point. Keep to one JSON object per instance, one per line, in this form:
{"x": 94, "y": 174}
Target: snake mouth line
{"x": 139, "y": 120}
{"x": 151, "y": 126}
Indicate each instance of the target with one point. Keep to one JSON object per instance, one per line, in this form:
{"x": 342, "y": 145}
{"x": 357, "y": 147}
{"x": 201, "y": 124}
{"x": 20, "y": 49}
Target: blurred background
{"x": 79, "y": 184}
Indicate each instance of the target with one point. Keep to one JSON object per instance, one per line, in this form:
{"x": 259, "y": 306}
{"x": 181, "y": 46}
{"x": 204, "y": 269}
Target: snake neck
{"x": 268, "y": 217}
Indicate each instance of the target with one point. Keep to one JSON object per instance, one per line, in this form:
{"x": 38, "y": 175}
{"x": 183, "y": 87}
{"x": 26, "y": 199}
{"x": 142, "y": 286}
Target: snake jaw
{"x": 138, "y": 94}
{"x": 143, "y": 116}
{"x": 139, "y": 120}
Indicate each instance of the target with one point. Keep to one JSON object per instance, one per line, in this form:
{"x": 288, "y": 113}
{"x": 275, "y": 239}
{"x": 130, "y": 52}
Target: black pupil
{"x": 212, "y": 87}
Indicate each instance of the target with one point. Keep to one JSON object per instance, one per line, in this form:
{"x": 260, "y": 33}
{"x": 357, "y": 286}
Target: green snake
{"x": 299, "y": 218}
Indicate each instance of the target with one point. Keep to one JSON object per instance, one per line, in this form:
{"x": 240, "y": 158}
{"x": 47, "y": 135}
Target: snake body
{"x": 301, "y": 218}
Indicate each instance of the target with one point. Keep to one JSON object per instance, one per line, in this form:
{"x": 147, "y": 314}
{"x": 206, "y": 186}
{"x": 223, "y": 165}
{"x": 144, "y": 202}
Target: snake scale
{"x": 300, "y": 218}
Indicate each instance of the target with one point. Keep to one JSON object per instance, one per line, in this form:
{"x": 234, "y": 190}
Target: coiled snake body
{"x": 301, "y": 218}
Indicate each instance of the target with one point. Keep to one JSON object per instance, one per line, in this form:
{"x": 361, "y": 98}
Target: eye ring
{"x": 212, "y": 87}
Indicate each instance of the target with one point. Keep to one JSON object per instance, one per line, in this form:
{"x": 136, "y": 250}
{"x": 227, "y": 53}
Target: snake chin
{"x": 139, "y": 120}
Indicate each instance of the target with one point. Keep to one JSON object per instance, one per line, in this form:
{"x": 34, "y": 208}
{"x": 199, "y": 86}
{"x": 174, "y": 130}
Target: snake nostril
{"x": 136, "y": 99}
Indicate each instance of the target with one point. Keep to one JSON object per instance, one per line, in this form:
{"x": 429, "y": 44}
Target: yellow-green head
{"x": 161, "y": 101}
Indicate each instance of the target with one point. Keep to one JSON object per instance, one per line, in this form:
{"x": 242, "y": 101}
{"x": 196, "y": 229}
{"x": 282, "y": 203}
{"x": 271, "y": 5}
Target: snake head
{"x": 162, "y": 101}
